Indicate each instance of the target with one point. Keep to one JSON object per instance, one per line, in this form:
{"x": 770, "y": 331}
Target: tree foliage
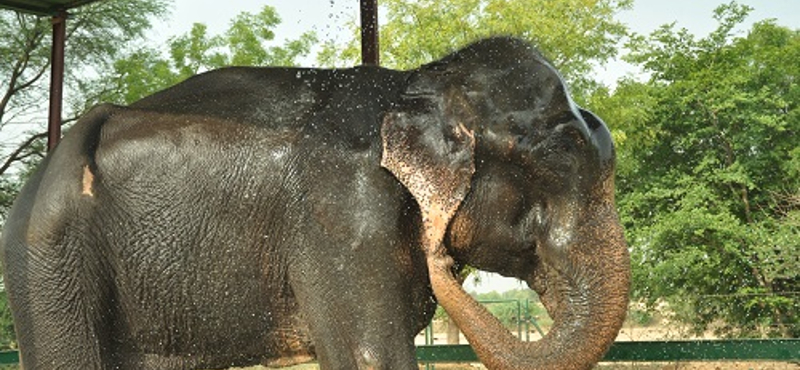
{"x": 708, "y": 178}
{"x": 248, "y": 41}
{"x": 510, "y": 307}
{"x": 575, "y": 34}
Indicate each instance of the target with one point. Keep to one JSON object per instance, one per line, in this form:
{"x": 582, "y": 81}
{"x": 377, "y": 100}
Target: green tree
{"x": 248, "y": 41}
{"x": 576, "y": 35}
{"x": 708, "y": 173}
{"x": 504, "y": 306}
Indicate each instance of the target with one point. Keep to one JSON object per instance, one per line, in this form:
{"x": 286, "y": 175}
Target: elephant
{"x": 277, "y": 215}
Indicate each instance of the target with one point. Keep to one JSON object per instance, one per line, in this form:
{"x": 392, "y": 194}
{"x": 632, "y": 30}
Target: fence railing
{"x": 652, "y": 351}
{"x": 9, "y": 357}
{"x": 655, "y": 351}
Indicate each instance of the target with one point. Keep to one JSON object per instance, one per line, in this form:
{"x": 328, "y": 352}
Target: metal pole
{"x": 527, "y": 320}
{"x": 519, "y": 320}
{"x": 59, "y": 22}
{"x": 429, "y": 341}
{"x": 369, "y": 33}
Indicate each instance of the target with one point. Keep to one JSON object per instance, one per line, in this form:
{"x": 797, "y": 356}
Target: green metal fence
{"x": 9, "y": 357}
{"x": 655, "y": 351}
{"x": 781, "y": 350}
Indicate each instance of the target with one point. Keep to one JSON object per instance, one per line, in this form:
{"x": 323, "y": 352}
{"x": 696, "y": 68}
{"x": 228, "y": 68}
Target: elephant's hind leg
{"x": 60, "y": 307}
{"x": 56, "y": 277}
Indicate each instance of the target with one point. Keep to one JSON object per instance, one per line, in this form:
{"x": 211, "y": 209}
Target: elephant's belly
{"x": 212, "y": 326}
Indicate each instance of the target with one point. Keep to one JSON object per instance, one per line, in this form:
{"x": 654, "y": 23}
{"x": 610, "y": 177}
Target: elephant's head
{"x": 512, "y": 177}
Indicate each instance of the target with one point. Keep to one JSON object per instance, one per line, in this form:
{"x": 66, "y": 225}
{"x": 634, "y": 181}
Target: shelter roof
{"x": 42, "y": 7}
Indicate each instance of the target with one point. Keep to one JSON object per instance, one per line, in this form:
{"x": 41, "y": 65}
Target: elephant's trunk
{"x": 586, "y": 293}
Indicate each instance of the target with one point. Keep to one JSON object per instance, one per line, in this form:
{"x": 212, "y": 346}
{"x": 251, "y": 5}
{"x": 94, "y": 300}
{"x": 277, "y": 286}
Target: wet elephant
{"x": 277, "y": 215}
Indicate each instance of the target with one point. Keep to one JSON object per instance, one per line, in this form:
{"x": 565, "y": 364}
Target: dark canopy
{"x": 42, "y": 7}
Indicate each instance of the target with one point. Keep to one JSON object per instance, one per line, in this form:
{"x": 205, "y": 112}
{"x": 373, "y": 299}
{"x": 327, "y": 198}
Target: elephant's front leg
{"x": 363, "y": 308}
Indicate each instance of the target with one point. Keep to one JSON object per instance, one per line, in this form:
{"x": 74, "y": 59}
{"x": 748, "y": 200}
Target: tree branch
{"x": 19, "y": 153}
{"x": 19, "y": 68}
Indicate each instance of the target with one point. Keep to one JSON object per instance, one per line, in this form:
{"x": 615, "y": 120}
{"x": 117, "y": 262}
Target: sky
{"x": 329, "y": 17}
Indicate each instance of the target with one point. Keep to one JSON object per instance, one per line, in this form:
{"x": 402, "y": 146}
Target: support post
{"x": 59, "y": 22}
{"x": 369, "y": 33}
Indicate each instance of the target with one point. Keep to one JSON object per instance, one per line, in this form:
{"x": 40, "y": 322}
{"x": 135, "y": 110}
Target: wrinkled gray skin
{"x": 244, "y": 217}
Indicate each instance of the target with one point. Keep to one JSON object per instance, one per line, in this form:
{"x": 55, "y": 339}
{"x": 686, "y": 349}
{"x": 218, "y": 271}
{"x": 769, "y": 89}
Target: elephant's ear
{"x": 432, "y": 155}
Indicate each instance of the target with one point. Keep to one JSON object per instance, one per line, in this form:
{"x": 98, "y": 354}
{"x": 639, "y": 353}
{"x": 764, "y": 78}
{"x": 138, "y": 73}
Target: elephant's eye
{"x": 562, "y": 151}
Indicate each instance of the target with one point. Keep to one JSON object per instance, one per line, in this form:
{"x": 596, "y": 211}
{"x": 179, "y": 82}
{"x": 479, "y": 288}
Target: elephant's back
{"x": 280, "y": 97}
{"x": 271, "y": 97}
